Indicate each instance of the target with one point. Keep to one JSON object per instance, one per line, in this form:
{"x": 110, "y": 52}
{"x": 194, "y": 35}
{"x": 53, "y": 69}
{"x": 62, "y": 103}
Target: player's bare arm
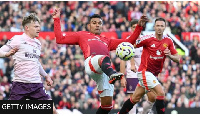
{"x": 49, "y": 80}
{"x": 175, "y": 57}
{"x": 133, "y": 67}
{"x": 11, "y": 52}
{"x": 8, "y": 52}
{"x": 122, "y": 70}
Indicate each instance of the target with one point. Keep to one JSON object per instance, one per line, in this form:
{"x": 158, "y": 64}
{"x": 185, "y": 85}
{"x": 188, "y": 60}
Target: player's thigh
{"x": 103, "y": 86}
{"x": 38, "y": 92}
{"x": 147, "y": 80}
{"x": 158, "y": 90}
{"x": 138, "y": 93}
{"x": 151, "y": 96}
{"x": 18, "y": 91}
{"x": 131, "y": 85}
{"x": 92, "y": 65}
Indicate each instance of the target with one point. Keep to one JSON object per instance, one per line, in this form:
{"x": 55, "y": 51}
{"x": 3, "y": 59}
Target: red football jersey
{"x": 90, "y": 43}
{"x": 153, "y": 56}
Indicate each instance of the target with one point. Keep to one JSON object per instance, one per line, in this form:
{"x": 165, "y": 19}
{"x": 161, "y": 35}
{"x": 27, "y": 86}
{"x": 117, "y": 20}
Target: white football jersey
{"x": 26, "y": 59}
{"x": 137, "y": 59}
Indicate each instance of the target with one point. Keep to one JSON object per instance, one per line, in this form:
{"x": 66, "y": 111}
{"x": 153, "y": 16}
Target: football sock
{"x": 147, "y": 107}
{"x": 106, "y": 66}
{"x": 127, "y": 106}
{"x": 160, "y": 105}
{"x": 104, "y": 109}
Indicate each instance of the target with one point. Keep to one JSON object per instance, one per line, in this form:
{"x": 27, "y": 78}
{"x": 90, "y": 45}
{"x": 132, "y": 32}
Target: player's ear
{"x": 26, "y": 27}
{"x": 88, "y": 26}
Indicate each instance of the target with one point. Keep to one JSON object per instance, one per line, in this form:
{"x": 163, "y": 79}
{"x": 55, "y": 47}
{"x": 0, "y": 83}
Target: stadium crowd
{"x": 72, "y": 87}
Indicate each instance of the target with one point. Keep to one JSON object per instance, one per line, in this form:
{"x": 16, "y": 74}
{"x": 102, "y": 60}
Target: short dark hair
{"x": 29, "y": 18}
{"x": 133, "y": 22}
{"x": 95, "y": 16}
{"x": 160, "y": 19}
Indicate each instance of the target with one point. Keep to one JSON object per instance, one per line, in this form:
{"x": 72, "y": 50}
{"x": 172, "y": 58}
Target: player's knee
{"x": 161, "y": 93}
{"x": 135, "y": 99}
{"x": 103, "y": 58}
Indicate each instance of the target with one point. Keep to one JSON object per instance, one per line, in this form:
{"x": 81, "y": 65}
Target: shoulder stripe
{"x": 147, "y": 37}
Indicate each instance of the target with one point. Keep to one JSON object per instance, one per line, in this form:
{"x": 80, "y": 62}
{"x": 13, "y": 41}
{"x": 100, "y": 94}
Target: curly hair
{"x": 29, "y": 18}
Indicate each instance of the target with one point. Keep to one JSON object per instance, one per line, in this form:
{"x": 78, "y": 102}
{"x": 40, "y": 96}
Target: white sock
{"x": 147, "y": 107}
{"x": 133, "y": 110}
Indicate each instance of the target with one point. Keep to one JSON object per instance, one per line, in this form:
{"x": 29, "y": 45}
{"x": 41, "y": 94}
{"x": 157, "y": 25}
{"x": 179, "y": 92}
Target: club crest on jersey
{"x": 154, "y": 81}
{"x": 158, "y": 52}
{"x": 130, "y": 87}
{"x": 165, "y": 45}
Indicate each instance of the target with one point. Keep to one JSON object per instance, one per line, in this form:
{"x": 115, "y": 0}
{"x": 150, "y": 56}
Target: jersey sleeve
{"x": 141, "y": 42}
{"x": 115, "y": 42}
{"x": 3, "y": 50}
{"x": 14, "y": 42}
{"x": 172, "y": 47}
{"x": 71, "y": 39}
{"x": 42, "y": 71}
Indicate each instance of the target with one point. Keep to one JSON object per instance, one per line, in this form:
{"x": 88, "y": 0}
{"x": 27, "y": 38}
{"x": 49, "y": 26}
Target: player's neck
{"x": 159, "y": 37}
{"x": 29, "y": 35}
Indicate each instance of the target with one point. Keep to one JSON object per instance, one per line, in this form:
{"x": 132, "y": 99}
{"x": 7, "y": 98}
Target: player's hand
{"x": 167, "y": 52}
{"x": 123, "y": 82}
{"x": 133, "y": 68}
{"x": 11, "y": 52}
{"x": 49, "y": 81}
{"x": 143, "y": 20}
{"x": 56, "y": 13}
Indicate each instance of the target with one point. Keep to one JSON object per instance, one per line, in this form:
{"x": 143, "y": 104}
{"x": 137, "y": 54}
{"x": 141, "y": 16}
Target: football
{"x": 125, "y": 51}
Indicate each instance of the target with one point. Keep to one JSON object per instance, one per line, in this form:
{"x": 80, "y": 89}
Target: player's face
{"x": 34, "y": 29}
{"x": 133, "y": 27}
{"x": 95, "y": 26}
{"x": 159, "y": 27}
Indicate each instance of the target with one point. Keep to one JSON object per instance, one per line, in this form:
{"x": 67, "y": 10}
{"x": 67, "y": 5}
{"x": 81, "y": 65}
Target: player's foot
{"x": 114, "y": 77}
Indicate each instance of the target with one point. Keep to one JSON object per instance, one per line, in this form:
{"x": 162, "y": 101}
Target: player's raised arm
{"x": 172, "y": 53}
{"x": 132, "y": 39}
{"x": 71, "y": 39}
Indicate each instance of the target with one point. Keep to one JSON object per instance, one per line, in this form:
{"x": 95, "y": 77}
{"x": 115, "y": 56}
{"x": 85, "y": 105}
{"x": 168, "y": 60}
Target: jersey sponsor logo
{"x": 98, "y": 39}
{"x": 156, "y": 58}
{"x": 30, "y": 55}
{"x": 165, "y": 45}
{"x": 153, "y": 45}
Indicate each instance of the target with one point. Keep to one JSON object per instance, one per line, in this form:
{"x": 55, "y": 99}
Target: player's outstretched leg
{"x": 128, "y": 105}
{"x": 148, "y": 105}
{"x": 105, "y": 64}
{"x": 106, "y": 104}
{"x": 160, "y": 103}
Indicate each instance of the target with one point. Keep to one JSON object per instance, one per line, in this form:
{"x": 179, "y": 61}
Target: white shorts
{"x": 93, "y": 69}
{"x": 147, "y": 80}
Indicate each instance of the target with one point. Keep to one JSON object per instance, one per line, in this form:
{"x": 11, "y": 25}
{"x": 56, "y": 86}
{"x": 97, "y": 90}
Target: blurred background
{"x": 73, "y": 88}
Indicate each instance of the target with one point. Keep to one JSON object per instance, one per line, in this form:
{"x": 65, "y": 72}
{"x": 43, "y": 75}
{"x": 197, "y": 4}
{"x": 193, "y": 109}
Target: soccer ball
{"x": 125, "y": 51}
